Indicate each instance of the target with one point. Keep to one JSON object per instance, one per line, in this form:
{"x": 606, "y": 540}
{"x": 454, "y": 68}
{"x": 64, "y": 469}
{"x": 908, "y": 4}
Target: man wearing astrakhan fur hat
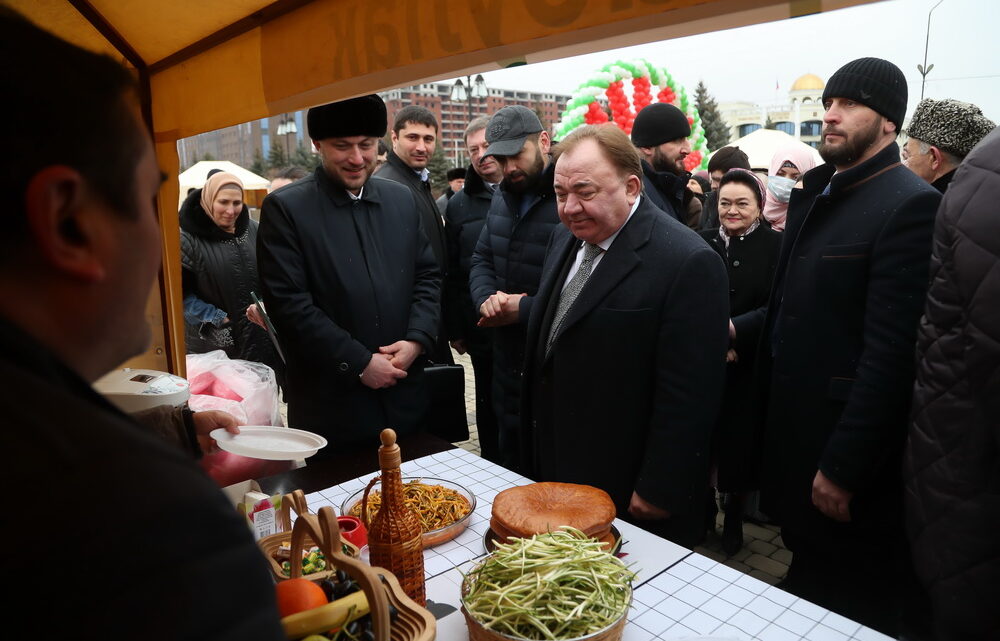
{"x": 351, "y": 284}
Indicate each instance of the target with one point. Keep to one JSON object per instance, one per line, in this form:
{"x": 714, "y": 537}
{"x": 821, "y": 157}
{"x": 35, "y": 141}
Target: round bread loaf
{"x": 543, "y": 507}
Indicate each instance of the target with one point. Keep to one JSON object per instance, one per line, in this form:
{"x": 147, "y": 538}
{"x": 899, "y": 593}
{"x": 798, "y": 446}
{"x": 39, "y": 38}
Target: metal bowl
{"x": 433, "y": 537}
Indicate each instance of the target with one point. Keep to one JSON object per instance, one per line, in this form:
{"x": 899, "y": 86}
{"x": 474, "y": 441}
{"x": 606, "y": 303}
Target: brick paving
{"x": 763, "y": 556}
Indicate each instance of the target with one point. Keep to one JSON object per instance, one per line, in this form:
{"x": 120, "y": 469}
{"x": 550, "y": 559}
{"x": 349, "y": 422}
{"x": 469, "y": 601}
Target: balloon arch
{"x": 585, "y": 108}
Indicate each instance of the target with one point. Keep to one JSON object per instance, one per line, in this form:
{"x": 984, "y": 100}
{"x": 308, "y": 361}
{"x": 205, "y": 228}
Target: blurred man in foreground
{"x": 147, "y": 546}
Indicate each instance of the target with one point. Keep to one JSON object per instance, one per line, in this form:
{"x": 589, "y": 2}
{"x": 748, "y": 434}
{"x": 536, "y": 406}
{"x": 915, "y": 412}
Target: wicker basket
{"x": 413, "y": 623}
{"x": 269, "y": 545}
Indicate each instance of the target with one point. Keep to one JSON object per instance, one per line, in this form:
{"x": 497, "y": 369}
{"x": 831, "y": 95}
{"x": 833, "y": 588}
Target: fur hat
{"x": 950, "y": 125}
{"x": 361, "y": 116}
{"x": 658, "y": 123}
{"x": 455, "y": 173}
{"x": 875, "y": 83}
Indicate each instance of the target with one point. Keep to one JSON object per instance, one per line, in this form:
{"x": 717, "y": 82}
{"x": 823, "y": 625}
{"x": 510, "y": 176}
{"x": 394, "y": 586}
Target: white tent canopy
{"x": 761, "y": 145}
{"x": 196, "y": 175}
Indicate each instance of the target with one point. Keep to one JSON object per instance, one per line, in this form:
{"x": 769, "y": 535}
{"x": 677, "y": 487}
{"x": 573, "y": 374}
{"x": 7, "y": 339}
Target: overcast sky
{"x": 744, "y": 64}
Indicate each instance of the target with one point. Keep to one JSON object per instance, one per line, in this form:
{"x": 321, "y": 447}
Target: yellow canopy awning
{"x": 208, "y": 64}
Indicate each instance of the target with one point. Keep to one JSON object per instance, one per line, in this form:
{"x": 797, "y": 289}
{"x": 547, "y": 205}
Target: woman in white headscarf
{"x": 787, "y": 166}
{"x": 219, "y": 270}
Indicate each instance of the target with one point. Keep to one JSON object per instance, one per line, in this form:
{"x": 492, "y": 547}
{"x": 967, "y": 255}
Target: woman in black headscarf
{"x": 750, "y": 250}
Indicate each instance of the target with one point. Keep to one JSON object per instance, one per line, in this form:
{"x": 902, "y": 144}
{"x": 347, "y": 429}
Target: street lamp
{"x": 287, "y": 128}
{"x": 924, "y": 69}
{"x": 467, "y": 91}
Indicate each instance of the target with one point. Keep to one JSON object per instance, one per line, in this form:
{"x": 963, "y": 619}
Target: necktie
{"x": 572, "y": 290}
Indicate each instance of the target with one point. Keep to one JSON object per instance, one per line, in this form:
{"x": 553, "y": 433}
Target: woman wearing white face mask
{"x": 787, "y": 166}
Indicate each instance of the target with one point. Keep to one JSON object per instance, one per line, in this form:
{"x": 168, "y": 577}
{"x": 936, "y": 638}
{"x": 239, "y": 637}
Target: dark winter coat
{"x": 709, "y": 219}
{"x": 220, "y": 268}
{"x": 508, "y": 257}
{"x": 430, "y": 218}
{"x": 838, "y": 347}
{"x": 341, "y": 278}
{"x": 626, "y": 397}
{"x": 750, "y": 264}
{"x": 952, "y": 462}
{"x": 669, "y": 193}
{"x": 465, "y": 217}
{"x": 149, "y": 548}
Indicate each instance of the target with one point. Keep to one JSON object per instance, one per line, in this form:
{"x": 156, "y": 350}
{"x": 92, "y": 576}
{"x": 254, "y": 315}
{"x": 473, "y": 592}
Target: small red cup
{"x": 353, "y": 530}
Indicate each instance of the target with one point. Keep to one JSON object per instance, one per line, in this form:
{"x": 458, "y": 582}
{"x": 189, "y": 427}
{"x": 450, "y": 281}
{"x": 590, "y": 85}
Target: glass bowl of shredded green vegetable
{"x": 556, "y": 586}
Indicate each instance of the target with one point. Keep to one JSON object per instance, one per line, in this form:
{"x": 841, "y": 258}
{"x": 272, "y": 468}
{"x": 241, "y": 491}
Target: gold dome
{"x": 808, "y": 82}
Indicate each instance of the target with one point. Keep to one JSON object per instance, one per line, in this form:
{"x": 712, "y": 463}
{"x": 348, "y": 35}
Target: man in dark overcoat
{"x": 508, "y": 259}
{"x": 626, "y": 344}
{"x": 838, "y": 346}
{"x": 465, "y": 217}
{"x": 414, "y": 138}
{"x": 351, "y": 284}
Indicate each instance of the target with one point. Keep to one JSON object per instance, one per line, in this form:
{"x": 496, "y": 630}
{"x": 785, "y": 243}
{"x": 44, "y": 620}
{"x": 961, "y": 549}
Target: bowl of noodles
{"x": 444, "y": 508}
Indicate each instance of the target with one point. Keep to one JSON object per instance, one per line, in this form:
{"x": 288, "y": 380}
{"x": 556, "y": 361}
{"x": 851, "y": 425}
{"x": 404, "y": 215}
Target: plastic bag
{"x": 248, "y": 391}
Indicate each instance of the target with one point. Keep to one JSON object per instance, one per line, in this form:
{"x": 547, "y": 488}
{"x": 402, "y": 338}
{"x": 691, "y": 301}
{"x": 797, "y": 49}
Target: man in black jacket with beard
{"x": 465, "y": 217}
{"x": 838, "y": 350}
{"x": 351, "y": 284}
{"x": 507, "y": 263}
{"x": 660, "y": 133}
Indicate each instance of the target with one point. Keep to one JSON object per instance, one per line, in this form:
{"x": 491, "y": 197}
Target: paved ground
{"x": 763, "y": 555}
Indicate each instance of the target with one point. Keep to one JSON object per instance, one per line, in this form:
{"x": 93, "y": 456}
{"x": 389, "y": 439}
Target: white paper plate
{"x": 269, "y": 443}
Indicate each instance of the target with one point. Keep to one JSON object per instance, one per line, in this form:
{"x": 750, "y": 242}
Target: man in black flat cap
{"x": 507, "y": 262}
{"x": 660, "y": 133}
{"x": 351, "y": 284}
{"x": 838, "y": 345}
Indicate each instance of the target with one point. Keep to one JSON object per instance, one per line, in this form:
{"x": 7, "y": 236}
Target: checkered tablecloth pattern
{"x": 678, "y": 594}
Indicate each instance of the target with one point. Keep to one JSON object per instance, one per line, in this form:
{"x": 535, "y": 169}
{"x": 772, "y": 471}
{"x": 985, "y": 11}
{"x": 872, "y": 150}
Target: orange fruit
{"x": 298, "y": 595}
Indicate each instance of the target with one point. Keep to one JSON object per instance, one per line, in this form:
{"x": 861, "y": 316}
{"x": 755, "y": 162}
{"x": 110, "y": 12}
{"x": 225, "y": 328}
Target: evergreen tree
{"x": 276, "y": 157}
{"x": 438, "y": 168}
{"x": 305, "y": 158}
{"x": 259, "y": 166}
{"x": 716, "y": 129}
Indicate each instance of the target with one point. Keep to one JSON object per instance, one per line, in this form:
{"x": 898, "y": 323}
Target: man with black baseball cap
{"x": 838, "y": 344}
{"x": 351, "y": 284}
{"x": 660, "y": 133}
{"x": 507, "y": 263}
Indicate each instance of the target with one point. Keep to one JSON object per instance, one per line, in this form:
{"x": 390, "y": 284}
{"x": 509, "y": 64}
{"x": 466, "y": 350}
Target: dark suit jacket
{"x": 627, "y": 397}
{"x": 838, "y": 344}
{"x": 430, "y": 216}
{"x": 341, "y": 278}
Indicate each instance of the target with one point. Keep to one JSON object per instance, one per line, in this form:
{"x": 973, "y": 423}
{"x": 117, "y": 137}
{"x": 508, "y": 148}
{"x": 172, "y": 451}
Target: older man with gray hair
{"x": 942, "y": 133}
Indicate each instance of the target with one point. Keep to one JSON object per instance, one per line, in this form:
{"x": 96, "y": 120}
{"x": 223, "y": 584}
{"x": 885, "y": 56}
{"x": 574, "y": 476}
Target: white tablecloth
{"x": 678, "y": 593}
